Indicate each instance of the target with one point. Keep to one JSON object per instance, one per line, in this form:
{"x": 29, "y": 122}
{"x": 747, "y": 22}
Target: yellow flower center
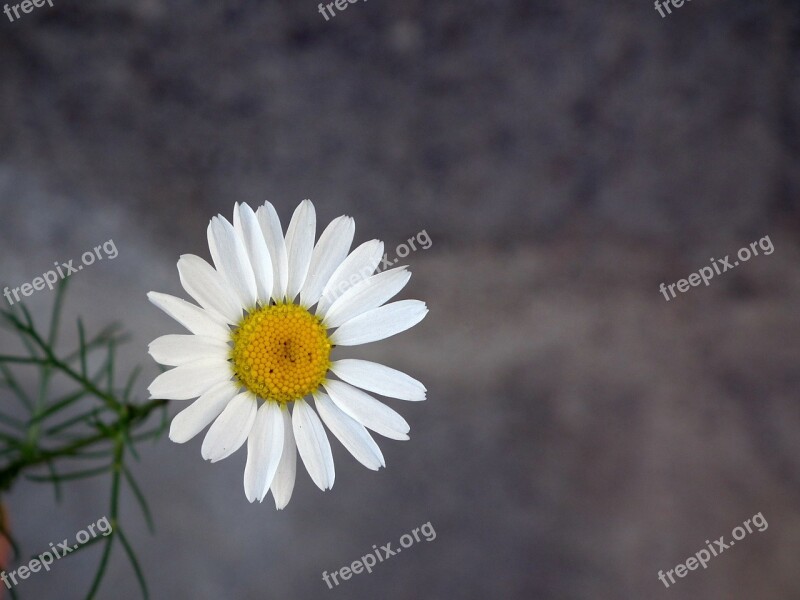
{"x": 281, "y": 352}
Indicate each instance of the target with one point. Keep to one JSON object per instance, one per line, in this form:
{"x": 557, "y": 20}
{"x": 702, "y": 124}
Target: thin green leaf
{"x": 24, "y": 360}
{"x": 12, "y": 421}
{"x": 91, "y": 542}
{"x": 55, "y": 318}
{"x": 28, "y": 317}
{"x": 134, "y": 563}
{"x": 7, "y": 450}
{"x": 92, "y": 414}
{"x": 131, "y": 445}
{"x": 119, "y": 450}
{"x": 137, "y": 492}
{"x": 14, "y": 441}
{"x": 110, "y": 366}
{"x": 114, "y": 331}
{"x": 90, "y": 454}
{"x": 129, "y": 385}
{"x": 82, "y": 350}
{"x": 13, "y": 385}
{"x": 56, "y": 481}
{"x": 101, "y": 569}
{"x": 12, "y": 320}
{"x": 59, "y": 405}
{"x": 87, "y": 473}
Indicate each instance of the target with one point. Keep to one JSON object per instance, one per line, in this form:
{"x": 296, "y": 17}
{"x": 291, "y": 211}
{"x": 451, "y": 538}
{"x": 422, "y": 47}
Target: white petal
{"x": 380, "y": 323}
{"x": 350, "y": 432}
{"x": 361, "y": 263}
{"x": 273, "y": 235}
{"x": 366, "y": 295}
{"x": 249, "y": 230}
{"x": 378, "y": 378}
{"x": 208, "y": 288}
{"x": 175, "y": 350}
{"x": 237, "y": 220}
{"x": 313, "y": 445}
{"x": 283, "y": 483}
{"x": 330, "y": 251}
{"x": 200, "y": 413}
{"x": 230, "y": 258}
{"x": 264, "y": 446}
{"x": 366, "y": 410}
{"x": 194, "y": 318}
{"x": 299, "y": 246}
{"x": 230, "y": 430}
{"x": 190, "y": 380}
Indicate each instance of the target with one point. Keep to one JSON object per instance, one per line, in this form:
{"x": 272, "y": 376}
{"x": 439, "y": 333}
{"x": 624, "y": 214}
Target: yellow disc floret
{"x": 280, "y": 352}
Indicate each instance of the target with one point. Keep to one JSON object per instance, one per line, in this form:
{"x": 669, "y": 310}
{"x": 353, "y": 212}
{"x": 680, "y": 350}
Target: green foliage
{"x": 96, "y": 424}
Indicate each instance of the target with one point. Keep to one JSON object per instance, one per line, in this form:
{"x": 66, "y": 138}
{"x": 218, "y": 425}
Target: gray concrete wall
{"x": 566, "y": 158}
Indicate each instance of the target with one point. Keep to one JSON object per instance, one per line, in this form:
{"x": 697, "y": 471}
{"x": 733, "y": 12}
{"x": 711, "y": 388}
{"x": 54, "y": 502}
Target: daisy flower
{"x": 271, "y": 310}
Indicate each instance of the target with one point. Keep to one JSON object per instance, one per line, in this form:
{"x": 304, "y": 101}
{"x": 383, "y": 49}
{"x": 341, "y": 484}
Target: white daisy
{"x": 257, "y": 336}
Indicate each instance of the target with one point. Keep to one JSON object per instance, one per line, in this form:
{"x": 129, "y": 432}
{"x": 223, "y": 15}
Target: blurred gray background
{"x": 565, "y": 157}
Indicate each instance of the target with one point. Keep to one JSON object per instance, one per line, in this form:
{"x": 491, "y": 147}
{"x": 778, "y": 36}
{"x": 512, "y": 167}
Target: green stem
{"x": 52, "y": 360}
{"x": 131, "y": 414}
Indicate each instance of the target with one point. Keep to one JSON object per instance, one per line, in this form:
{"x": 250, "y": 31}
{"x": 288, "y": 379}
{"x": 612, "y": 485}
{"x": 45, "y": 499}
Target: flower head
{"x": 271, "y": 311}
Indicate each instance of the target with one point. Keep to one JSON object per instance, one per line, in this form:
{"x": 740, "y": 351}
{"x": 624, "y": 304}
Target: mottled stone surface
{"x": 566, "y": 158}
